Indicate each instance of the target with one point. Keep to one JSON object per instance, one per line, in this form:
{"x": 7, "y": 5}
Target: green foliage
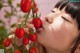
{"x": 3, "y": 33}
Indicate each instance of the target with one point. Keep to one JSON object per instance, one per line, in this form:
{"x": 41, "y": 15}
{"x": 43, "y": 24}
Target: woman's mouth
{"x": 41, "y": 29}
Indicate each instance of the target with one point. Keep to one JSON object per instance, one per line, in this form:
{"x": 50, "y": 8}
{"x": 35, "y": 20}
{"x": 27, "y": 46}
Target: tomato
{"x": 19, "y": 32}
{"x": 32, "y": 50}
{"x": 6, "y": 42}
{"x": 37, "y": 22}
{"x": 33, "y": 37}
{"x": 25, "y": 41}
{"x": 17, "y": 51}
{"x": 25, "y": 5}
{"x": 35, "y": 10}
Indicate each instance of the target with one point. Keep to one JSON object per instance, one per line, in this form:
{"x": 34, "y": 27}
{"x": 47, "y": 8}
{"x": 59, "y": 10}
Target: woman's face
{"x": 60, "y": 30}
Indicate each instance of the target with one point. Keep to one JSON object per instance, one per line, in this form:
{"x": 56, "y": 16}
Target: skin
{"x": 60, "y": 32}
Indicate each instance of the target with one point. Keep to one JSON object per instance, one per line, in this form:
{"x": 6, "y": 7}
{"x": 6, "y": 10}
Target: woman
{"x": 60, "y": 32}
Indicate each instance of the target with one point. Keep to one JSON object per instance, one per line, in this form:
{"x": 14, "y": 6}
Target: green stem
{"x": 24, "y": 22}
{"x": 33, "y": 9}
{"x": 27, "y": 15}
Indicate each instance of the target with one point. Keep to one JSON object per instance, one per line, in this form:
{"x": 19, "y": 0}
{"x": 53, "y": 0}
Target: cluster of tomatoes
{"x": 26, "y": 6}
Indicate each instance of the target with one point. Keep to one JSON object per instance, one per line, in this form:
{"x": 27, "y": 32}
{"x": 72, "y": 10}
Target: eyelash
{"x": 52, "y": 11}
{"x": 65, "y": 18}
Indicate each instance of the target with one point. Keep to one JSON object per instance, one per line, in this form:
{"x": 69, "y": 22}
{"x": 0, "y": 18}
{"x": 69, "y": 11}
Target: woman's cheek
{"x": 57, "y": 24}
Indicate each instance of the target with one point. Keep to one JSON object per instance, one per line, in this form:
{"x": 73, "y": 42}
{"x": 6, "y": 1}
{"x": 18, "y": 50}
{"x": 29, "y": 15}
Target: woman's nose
{"x": 49, "y": 18}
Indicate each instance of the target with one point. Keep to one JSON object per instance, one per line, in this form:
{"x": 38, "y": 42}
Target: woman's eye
{"x": 52, "y": 11}
{"x": 65, "y": 19}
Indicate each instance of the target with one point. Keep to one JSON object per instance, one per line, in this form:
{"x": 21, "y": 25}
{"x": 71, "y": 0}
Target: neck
{"x": 50, "y": 50}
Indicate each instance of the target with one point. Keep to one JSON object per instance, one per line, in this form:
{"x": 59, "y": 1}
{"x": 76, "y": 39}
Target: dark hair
{"x": 72, "y": 8}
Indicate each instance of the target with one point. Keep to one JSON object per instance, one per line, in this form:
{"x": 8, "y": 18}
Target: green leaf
{"x": 3, "y": 33}
{"x": 13, "y": 25}
{"x": 7, "y": 14}
{"x": 18, "y": 4}
{"x": 10, "y": 2}
{"x": 1, "y": 5}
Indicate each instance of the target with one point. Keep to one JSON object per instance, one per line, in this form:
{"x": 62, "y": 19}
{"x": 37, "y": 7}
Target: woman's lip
{"x": 40, "y": 30}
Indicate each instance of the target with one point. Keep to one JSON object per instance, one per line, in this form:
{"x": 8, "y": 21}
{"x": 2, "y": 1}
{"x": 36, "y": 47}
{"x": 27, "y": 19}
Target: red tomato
{"x": 33, "y": 37}
{"x": 32, "y": 50}
{"x": 19, "y": 32}
{"x": 25, "y": 5}
{"x": 37, "y": 22}
{"x": 6, "y": 42}
{"x": 17, "y": 51}
{"x": 35, "y": 10}
{"x": 25, "y": 41}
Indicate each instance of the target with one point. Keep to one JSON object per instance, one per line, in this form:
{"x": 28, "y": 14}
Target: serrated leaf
{"x": 10, "y": 2}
